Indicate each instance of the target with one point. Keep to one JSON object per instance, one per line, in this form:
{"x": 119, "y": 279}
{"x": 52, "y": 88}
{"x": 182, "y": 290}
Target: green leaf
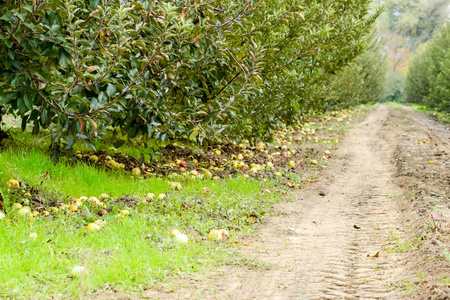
{"x": 111, "y": 90}
{"x": 119, "y": 144}
{"x": 70, "y": 142}
{"x": 55, "y": 153}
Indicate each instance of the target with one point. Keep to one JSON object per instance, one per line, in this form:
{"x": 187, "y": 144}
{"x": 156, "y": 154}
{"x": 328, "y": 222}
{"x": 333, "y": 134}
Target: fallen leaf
{"x": 375, "y": 255}
{"x": 356, "y": 227}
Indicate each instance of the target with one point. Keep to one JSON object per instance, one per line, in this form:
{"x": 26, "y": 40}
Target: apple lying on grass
{"x": 103, "y": 197}
{"x": 124, "y": 212}
{"x": 179, "y": 237}
{"x": 12, "y": 183}
{"x": 218, "y": 235}
{"x": 136, "y": 171}
{"x": 24, "y": 211}
{"x": 73, "y": 208}
{"x": 78, "y": 271}
{"x": 93, "y": 227}
{"x": 174, "y": 232}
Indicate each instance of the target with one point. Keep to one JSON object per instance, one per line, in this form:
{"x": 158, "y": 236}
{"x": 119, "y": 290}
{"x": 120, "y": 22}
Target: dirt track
{"x": 350, "y": 235}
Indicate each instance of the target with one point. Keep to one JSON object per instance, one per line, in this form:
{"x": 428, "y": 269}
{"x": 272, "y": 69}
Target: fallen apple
{"x": 162, "y": 196}
{"x": 150, "y": 196}
{"x": 93, "y": 227}
{"x": 314, "y": 162}
{"x": 24, "y": 211}
{"x": 215, "y": 235}
{"x": 224, "y": 233}
{"x": 174, "y": 232}
{"x": 182, "y": 164}
{"x": 291, "y": 163}
{"x": 181, "y": 238}
{"x": 12, "y": 183}
{"x": 124, "y": 212}
{"x": 2, "y": 215}
{"x": 73, "y": 208}
{"x": 100, "y": 223}
{"x": 78, "y": 271}
{"x": 17, "y": 206}
{"x": 94, "y": 200}
{"x": 103, "y": 197}
{"x": 136, "y": 171}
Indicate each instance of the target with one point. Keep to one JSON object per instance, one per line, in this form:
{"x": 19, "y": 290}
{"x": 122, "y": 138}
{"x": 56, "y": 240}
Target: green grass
{"x": 123, "y": 254}
{"x": 127, "y": 253}
{"x": 75, "y": 181}
{"x": 441, "y": 116}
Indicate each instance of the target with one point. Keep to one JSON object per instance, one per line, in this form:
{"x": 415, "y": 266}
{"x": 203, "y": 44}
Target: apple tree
{"x": 173, "y": 69}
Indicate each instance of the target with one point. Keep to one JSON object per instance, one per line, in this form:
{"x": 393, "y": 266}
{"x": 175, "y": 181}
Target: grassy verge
{"x": 439, "y": 115}
{"x": 131, "y": 251}
{"x": 131, "y": 248}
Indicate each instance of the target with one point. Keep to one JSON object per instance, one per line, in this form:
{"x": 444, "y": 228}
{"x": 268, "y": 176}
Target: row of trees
{"x": 174, "y": 69}
{"x": 361, "y": 82}
{"x": 428, "y": 79}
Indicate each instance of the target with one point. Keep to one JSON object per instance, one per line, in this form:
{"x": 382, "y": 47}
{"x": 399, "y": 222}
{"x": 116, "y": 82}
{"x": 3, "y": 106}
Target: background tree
{"x": 405, "y": 26}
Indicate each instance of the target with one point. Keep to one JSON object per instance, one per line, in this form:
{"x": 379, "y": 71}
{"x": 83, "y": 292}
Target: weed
{"x": 400, "y": 246}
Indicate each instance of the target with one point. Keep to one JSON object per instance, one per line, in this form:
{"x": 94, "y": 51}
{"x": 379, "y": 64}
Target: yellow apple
{"x": 12, "y": 183}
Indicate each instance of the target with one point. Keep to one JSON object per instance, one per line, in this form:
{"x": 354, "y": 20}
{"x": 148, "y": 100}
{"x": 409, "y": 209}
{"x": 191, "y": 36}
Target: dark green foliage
{"x": 428, "y": 79}
{"x": 171, "y": 69}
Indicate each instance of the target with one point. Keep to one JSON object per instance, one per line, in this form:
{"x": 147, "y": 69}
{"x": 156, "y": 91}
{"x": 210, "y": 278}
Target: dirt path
{"x": 321, "y": 246}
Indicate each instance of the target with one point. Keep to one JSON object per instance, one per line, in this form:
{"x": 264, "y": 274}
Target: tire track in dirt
{"x": 319, "y": 245}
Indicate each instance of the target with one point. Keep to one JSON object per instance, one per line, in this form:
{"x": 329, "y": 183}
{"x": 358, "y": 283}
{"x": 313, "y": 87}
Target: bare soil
{"x": 375, "y": 225}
